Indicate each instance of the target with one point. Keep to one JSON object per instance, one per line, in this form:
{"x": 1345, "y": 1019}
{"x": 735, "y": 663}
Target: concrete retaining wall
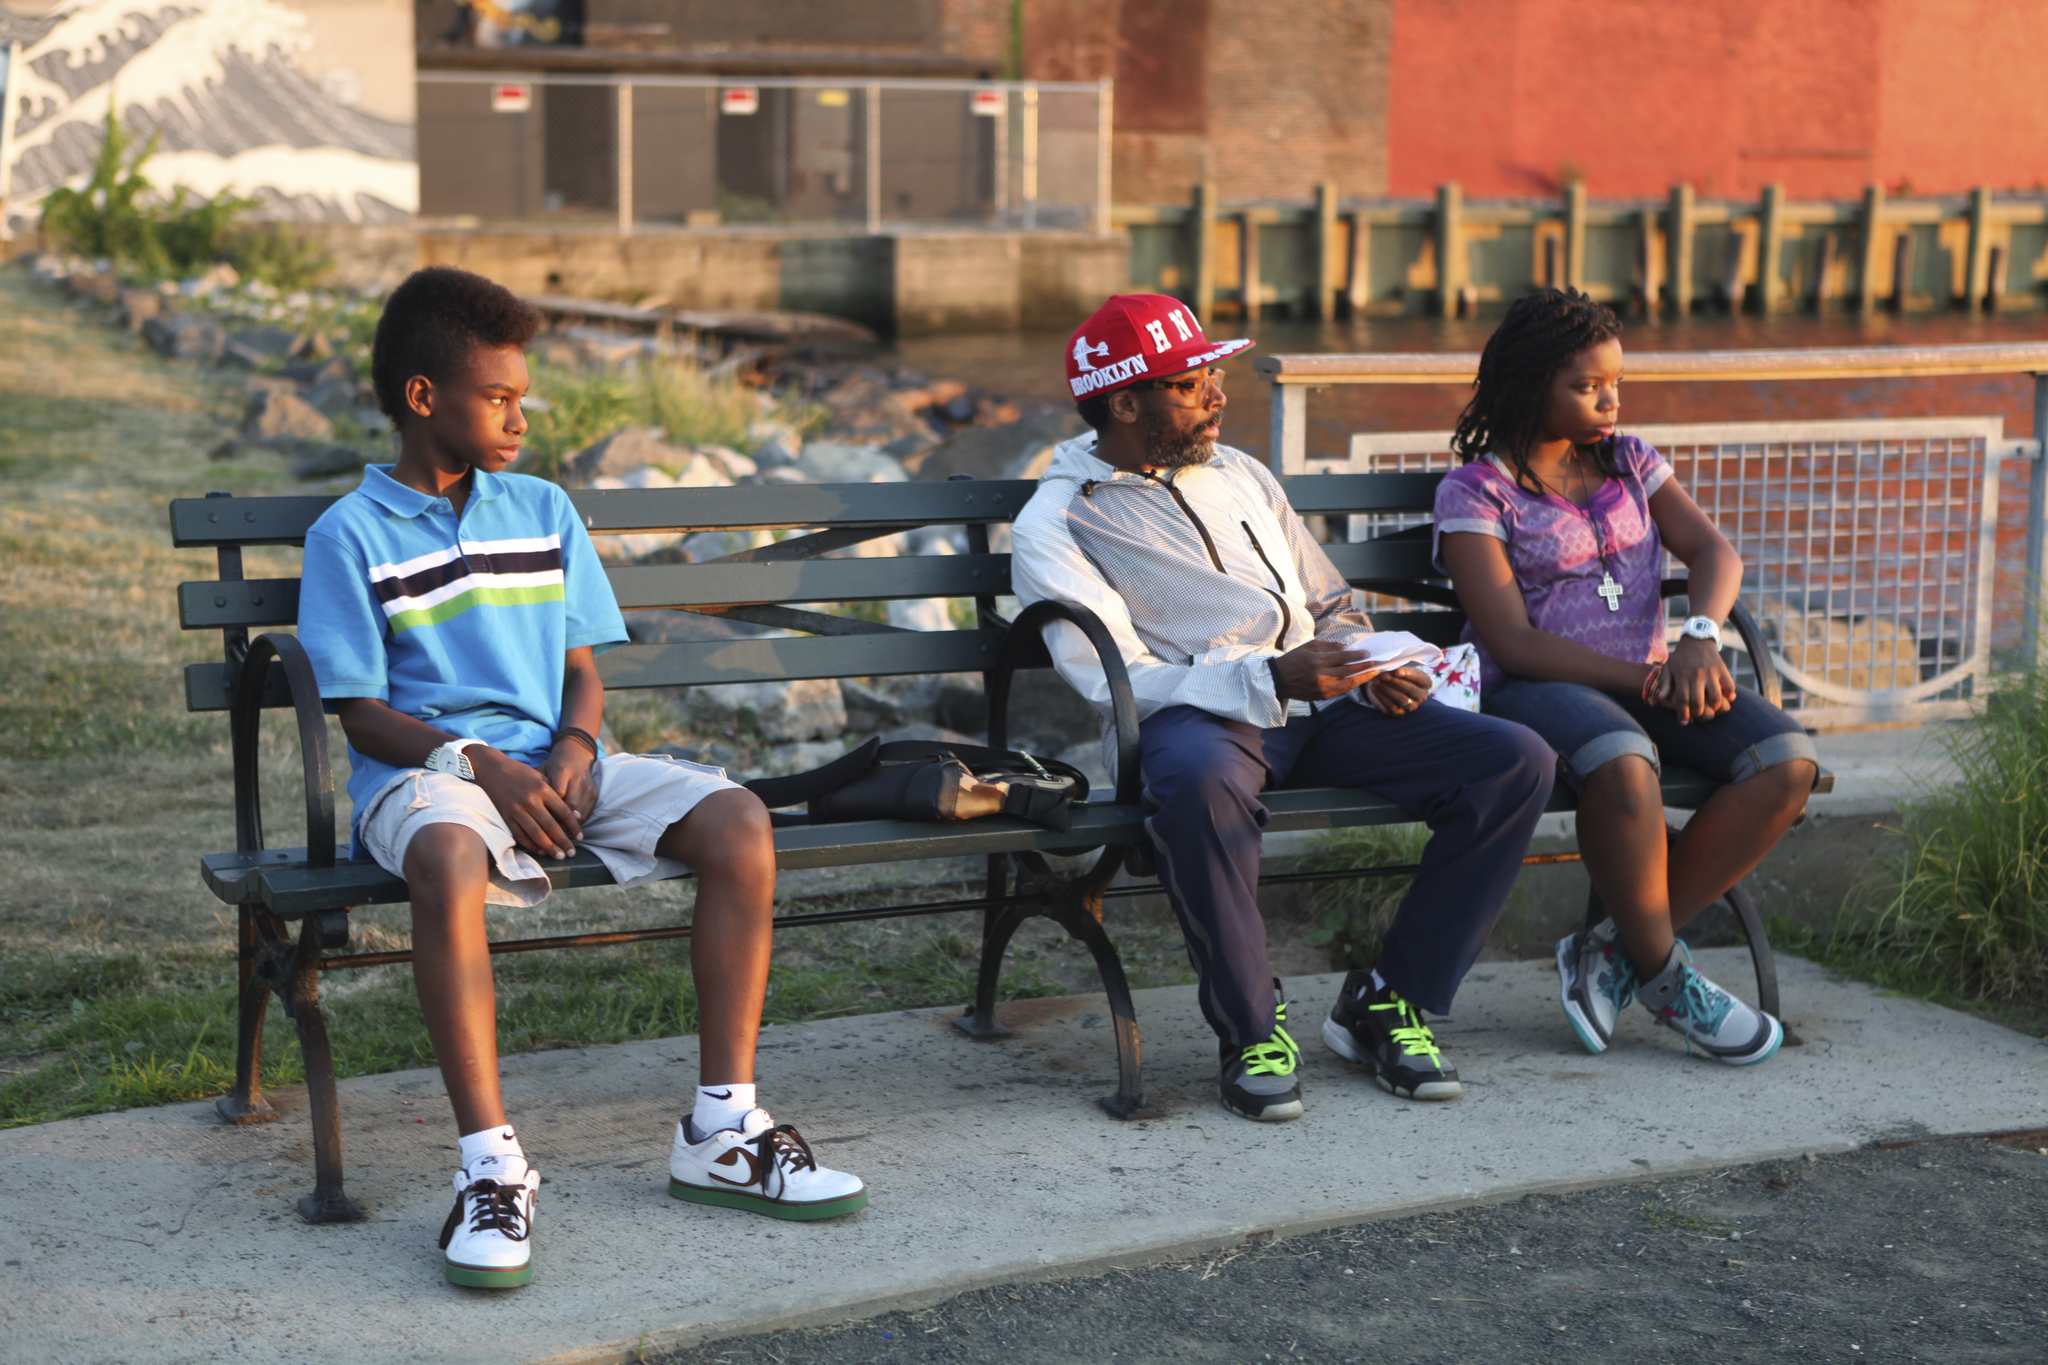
{"x": 907, "y": 283}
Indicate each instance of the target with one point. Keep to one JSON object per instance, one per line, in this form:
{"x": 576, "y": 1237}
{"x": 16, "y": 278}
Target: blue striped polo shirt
{"x": 462, "y": 623}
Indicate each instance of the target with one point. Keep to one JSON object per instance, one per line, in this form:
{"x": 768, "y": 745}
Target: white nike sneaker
{"x": 488, "y": 1240}
{"x": 761, "y": 1166}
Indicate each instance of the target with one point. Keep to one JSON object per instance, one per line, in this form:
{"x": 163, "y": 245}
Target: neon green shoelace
{"x": 1413, "y": 1035}
{"x": 1279, "y": 1055}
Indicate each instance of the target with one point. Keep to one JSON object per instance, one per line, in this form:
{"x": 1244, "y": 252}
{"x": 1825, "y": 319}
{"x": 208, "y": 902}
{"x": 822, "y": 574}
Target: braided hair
{"x": 1538, "y": 337}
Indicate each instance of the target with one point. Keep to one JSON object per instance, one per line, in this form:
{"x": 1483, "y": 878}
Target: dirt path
{"x": 1933, "y": 1252}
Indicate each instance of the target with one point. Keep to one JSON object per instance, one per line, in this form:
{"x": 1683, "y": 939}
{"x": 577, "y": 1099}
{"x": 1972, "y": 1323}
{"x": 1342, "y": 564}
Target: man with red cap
{"x": 1237, "y": 633}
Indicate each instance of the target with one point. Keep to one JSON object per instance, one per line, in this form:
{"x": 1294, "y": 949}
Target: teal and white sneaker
{"x": 1263, "y": 1081}
{"x": 1710, "y": 1018}
{"x": 487, "y": 1242}
{"x": 763, "y": 1167}
{"x": 1596, "y": 982}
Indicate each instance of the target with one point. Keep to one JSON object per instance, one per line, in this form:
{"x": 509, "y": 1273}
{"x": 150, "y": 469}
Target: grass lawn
{"x": 116, "y": 966}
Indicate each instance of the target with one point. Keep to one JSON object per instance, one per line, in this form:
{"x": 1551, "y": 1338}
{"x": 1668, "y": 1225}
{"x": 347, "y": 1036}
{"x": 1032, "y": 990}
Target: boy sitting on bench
{"x": 453, "y": 613}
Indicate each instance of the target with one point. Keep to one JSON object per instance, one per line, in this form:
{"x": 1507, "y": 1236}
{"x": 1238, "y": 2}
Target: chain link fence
{"x": 1867, "y": 549}
{"x": 698, "y": 151}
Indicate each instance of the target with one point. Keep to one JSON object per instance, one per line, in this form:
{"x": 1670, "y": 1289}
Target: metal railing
{"x": 1870, "y": 546}
{"x": 698, "y": 151}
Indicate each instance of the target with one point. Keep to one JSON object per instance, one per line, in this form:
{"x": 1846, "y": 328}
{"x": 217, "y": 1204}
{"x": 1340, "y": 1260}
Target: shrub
{"x": 120, "y": 216}
{"x": 1352, "y": 915}
{"x": 1963, "y": 909}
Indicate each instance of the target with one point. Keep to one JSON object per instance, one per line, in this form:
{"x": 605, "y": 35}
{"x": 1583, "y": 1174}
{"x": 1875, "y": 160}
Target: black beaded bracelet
{"x": 572, "y": 732}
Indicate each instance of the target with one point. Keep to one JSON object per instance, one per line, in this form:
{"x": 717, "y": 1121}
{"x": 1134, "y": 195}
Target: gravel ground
{"x": 1932, "y": 1252}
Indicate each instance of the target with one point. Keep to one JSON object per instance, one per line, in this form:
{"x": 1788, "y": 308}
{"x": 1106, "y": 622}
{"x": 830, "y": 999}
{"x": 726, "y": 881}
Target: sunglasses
{"x": 1190, "y": 388}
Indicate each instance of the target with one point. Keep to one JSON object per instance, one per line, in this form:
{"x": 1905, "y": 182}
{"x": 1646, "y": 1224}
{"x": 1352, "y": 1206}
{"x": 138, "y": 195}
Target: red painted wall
{"x": 1510, "y": 97}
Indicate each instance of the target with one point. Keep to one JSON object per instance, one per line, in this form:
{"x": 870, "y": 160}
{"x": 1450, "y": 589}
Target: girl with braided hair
{"x": 1553, "y": 533}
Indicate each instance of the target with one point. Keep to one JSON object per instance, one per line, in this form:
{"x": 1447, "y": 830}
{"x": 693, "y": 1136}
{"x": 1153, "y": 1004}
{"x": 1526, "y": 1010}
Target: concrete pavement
{"x": 163, "y": 1235}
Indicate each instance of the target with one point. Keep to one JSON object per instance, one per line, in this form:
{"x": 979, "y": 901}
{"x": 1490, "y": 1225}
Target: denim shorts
{"x": 1590, "y": 728}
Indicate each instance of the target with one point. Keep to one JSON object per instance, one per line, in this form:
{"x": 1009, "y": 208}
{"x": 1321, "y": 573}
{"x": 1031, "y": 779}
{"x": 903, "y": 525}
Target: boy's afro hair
{"x": 433, "y": 321}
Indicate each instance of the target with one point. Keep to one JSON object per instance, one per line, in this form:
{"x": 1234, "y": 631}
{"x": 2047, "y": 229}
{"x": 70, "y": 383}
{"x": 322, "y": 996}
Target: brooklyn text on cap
{"x": 1134, "y": 336}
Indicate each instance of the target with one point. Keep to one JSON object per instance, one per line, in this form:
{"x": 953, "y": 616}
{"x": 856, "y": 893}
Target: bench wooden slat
{"x": 215, "y": 604}
{"x": 284, "y": 520}
{"x": 1382, "y": 560}
{"x": 810, "y": 580}
{"x": 280, "y": 880}
{"x": 245, "y": 521}
{"x": 1324, "y": 494}
{"x": 846, "y": 656}
{"x": 779, "y": 505}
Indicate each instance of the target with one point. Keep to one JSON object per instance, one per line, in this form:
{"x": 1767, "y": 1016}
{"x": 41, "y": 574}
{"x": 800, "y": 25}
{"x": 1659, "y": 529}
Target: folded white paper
{"x": 1390, "y": 649}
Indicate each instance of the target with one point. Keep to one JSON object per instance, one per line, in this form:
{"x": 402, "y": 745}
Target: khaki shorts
{"x": 638, "y": 798}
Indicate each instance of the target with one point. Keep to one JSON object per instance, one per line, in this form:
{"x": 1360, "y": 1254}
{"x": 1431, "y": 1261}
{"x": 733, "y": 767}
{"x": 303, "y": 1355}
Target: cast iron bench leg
{"x": 1075, "y": 904}
{"x": 327, "y": 1203}
{"x": 245, "y": 1103}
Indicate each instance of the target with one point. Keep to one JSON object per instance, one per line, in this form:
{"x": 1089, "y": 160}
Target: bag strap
{"x": 798, "y": 788}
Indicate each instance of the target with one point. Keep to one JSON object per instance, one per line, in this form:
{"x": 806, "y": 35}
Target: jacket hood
{"x": 1074, "y": 461}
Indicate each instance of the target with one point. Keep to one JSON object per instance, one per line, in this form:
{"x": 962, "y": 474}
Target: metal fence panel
{"x": 1868, "y": 548}
{"x": 703, "y": 151}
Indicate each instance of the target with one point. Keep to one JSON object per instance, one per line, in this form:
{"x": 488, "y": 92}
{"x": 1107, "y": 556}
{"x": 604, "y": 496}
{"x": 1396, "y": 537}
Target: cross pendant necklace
{"x": 1609, "y": 589}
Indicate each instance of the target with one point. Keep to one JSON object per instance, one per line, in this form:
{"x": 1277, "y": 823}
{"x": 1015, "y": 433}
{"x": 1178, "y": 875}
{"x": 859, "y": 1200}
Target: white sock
{"x": 720, "y": 1106}
{"x": 482, "y": 1153}
{"x": 1378, "y": 983}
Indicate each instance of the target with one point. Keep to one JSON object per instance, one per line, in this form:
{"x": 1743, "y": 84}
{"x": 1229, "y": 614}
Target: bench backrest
{"x": 767, "y": 584}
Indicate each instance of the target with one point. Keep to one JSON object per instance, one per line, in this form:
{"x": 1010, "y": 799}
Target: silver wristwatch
{"x": 1701, "y": 628}
{"x": 449, "y": 758}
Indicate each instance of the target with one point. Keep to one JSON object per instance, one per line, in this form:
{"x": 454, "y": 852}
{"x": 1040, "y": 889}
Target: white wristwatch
{"x": 449, "y": 758}
{"x": 1701, "y": 628}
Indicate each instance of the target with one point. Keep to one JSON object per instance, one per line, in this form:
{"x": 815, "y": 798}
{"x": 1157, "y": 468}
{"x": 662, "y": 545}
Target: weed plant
{"x": 676, "y": 396}
{"x": 1353, "y": 915}
{"x": 119, "y": 215}
{"x": 1962, "y": 911}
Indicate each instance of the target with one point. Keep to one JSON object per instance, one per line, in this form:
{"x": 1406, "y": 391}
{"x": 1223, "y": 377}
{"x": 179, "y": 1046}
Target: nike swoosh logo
{"x": 733, "y": 1156}
{"x": 719, "y": 1094}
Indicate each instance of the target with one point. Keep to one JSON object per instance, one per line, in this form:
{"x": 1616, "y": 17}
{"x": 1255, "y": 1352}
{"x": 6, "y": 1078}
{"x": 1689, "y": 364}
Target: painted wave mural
{"x": 216, "y": 81}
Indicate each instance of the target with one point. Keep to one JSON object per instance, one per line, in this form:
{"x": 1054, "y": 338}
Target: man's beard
{"x": 1166, "y": 448}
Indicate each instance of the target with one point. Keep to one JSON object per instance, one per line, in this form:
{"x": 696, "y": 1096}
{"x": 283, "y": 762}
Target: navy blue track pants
{"x": 1479, "y": 783}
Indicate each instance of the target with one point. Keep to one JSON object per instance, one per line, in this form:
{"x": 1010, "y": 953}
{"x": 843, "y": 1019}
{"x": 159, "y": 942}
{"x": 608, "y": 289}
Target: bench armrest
{"x": 244, "y": 720}
{"x": 1753, "y": 643}
{"x": 1024, "y": 631}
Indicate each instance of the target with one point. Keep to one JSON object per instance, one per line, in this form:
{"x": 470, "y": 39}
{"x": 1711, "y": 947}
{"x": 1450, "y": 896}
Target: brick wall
{"x": 1510, "y": 97}
{"x": 1268, "y": 98}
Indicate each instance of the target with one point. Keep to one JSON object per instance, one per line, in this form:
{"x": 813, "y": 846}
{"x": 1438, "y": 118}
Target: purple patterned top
{"x": 1561, "y": 551}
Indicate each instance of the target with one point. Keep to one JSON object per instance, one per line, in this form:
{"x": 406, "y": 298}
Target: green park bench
{"x": 314, "y": 886}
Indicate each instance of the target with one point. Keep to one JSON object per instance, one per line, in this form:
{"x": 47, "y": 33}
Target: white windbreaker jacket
{"x": 1201, "y": 574}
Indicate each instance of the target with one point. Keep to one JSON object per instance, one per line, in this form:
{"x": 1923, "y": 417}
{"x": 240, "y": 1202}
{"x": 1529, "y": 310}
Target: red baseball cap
{"x": 1139, "y": 336}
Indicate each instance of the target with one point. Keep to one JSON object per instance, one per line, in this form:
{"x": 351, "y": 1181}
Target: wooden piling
{"x": 1248, "y": 264}
{"x": 1978, "y": 275}
{"x": 1824, "y": 258}
{"x": 1866, "y": 274}
{"x": 1678, "y": 248}
{"x": 1450, "y": 244}
{"x": 1770, "y": 251}
{"x": 1202, "y": 227}
{"x": 1328, "y": 270}
{"x": 1358, "y": 283}
{"x": 1650, "y": 260}
{"x": 1902, "y": 271}
{"x": 1575, "y": 234}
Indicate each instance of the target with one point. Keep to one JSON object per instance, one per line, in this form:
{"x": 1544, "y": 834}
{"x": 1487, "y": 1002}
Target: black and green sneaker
{"x": 1381, "y": 1031}
{"x": 1261, "y": 1081}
